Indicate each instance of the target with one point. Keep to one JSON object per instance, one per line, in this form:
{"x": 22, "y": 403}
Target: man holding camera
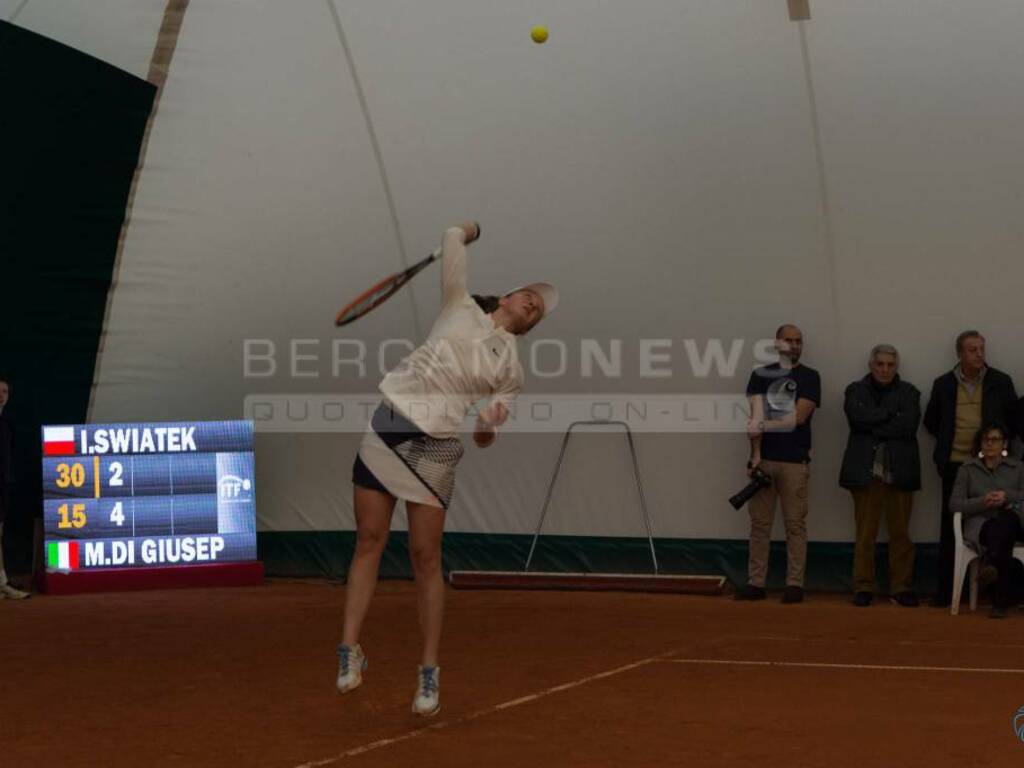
{"x": 882, "y": 470}
{"x": 783, "y": 397}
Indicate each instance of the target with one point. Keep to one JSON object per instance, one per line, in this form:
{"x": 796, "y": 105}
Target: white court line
{"x": 484, "y": 712}
{"x": 928, "y": 643}
{"x": 958, "y": 645}
{"x": 815, "y": 665}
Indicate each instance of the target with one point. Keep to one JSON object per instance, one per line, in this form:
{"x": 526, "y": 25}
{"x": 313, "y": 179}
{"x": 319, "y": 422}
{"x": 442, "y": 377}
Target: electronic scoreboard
{"x": 154, "y": 495}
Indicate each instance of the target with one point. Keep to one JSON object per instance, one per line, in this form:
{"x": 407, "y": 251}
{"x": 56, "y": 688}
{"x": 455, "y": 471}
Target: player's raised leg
{"x": 373, "y": 510}
{"x": 426, "y": 526}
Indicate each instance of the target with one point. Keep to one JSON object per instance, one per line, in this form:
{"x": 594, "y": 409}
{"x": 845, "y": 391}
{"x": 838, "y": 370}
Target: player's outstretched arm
{"x": 453, "y": 259}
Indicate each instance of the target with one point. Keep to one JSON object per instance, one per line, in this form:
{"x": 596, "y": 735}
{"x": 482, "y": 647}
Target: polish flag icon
{"x": 58, "y": 441}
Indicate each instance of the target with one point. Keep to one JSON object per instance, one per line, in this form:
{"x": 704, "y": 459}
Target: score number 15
{"x": 77, "y": 519}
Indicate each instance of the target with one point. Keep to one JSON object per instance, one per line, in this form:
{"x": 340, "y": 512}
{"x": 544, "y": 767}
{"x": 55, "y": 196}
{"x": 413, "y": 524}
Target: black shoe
{"x": 793, "y": 595}
{"x": 906, "y": 598}
{"x": 863, "y": 599}
{"x": 940, "y": 601}
{"x": 750, "y": 592}
{"x": 997, "y": 612}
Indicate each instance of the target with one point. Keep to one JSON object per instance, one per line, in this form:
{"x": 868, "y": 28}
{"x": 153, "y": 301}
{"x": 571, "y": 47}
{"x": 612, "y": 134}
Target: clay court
{"x": 265, "y": 265}
{"x": 245, "y": 677}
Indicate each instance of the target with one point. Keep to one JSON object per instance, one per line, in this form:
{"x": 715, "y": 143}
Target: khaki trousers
{"x": 789, "y": 485}
{"x": 870, "y": 505}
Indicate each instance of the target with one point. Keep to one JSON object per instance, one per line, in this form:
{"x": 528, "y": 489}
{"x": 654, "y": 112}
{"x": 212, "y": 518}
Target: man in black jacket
{"x": 962, "y": 400}
{"x": 6, "y": 478}
{"x": 882, "y": 469}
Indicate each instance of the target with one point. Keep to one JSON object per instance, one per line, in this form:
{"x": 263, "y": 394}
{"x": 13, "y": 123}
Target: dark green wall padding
{"x": 829, "y": 565}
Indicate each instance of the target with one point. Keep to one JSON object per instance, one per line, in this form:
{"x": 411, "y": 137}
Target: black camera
{"x": 758, "y": 479}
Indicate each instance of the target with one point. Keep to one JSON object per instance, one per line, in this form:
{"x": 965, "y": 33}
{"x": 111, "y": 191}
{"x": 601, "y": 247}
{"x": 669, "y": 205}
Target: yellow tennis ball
{"x": 539, "y": 34}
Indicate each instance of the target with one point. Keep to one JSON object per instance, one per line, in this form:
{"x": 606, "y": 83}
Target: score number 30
{"x": 74, "y": 476}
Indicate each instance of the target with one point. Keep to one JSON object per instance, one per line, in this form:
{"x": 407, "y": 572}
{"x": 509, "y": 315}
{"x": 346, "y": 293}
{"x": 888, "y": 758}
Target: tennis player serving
{"x": 411, "y": 448}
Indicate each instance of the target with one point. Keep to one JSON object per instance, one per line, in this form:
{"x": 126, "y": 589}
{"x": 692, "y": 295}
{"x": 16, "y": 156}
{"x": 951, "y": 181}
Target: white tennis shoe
{"x": 351, "y": 665}
{"x": 428, "y": 694}
{"x": 7, "y": 592}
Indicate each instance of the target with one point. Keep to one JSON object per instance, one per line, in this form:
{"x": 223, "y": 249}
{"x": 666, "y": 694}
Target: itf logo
{"x": 231, "y": 487}
{"x": 1018, "y": 724}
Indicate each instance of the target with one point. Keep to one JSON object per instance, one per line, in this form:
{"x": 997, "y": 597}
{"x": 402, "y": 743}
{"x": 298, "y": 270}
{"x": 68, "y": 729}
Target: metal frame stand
{"x": 636, "y": 475}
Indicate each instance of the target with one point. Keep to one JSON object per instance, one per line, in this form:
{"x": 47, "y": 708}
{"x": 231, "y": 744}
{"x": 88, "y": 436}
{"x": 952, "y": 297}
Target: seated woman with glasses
{"x": 988, "y": 491}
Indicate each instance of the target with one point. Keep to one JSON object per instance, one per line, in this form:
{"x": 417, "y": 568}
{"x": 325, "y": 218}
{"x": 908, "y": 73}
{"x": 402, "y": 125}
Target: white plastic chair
{"x": 967, "y": 560}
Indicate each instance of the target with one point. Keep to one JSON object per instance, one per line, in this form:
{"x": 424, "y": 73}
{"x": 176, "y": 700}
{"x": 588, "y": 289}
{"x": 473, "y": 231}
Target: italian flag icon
{"x": 58, "y": 441}
{"x": 62, "y": 555}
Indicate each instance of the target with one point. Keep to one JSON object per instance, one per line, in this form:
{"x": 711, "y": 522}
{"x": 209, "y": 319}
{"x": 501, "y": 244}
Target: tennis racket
{"x": 373, "y": 297}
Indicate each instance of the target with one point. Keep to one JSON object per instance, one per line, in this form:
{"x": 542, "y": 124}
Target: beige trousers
{"x": 789, "y": 485}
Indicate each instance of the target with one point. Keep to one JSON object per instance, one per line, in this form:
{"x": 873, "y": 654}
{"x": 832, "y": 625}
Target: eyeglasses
{"x": 991, "y": 439}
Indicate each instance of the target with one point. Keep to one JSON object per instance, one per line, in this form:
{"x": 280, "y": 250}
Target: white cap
{"x": 547, "y": 292}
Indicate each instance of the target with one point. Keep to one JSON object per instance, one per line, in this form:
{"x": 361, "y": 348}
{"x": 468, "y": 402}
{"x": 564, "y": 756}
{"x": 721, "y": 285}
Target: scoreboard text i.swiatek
{"x": 149, "y": 495}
